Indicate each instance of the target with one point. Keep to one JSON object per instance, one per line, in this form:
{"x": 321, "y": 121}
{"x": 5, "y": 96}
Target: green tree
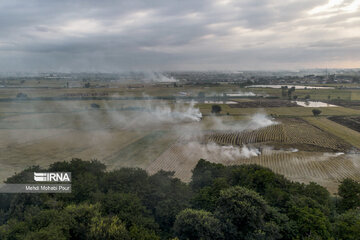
{"x": 110, "y": 228}
{"x": 167, "y": 196}
{"x": 316, "y": 112}
{"x": 349, "y": 191}
{"x": 193, "y": 224}
{"x": 309, "y": 219}
{"x": 207, "y": 196}
{"x": 141, "y": 233}
{"x": 347, "y": 225}
{"x": 128, "y": 208}
{"x": 317, "y": 193}
{"x": 243, "y": 213}
{"x": 215, "y": 109}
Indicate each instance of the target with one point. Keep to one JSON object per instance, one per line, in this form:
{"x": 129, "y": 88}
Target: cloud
{"x": 177, "y": 35}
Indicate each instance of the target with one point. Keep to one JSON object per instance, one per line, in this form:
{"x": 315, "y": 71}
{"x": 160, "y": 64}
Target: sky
{"x": 164, "y": 35}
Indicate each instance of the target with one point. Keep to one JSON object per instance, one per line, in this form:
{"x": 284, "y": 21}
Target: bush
{"x": 215, "y": 109}
{"x": 316, "y": 112}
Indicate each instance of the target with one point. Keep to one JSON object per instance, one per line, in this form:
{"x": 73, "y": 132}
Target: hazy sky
{"x": 74, "y": 35}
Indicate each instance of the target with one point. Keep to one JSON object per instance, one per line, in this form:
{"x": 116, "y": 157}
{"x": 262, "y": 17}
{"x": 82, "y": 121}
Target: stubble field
{"x": 156, "y": 134}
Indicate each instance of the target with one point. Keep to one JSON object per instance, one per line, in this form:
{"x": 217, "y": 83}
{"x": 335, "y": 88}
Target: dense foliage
{"x": 235, "y": 202}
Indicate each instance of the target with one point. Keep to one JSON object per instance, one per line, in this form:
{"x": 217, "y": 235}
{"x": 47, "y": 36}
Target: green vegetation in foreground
{"x": 347, "y": 134}
{"x": 234, "y": 202}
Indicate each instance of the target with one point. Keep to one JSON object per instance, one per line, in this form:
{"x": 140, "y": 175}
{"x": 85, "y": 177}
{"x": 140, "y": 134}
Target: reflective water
{"x": 313, "y": 104}
{"x": 289, "y": 86}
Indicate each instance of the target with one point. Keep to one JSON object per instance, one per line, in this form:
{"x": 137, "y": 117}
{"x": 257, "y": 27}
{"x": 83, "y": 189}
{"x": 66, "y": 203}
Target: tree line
{"x": 220, "y": 202}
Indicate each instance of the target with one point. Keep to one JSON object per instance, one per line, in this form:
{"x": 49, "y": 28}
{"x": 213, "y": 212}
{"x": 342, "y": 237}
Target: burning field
{"x": 171, "y": 136}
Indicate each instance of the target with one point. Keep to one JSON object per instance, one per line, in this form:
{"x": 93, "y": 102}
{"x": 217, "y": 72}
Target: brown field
{"x": 324, "y": 168}
{"x": 289, "y": 133}
{"x": 43, "y": 132}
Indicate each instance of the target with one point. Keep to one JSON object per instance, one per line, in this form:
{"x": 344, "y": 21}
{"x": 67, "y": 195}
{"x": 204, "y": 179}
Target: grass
{"x": 347, "y": 134}
{"x": 315, "y": 94}
{"x": 281, "y": 111}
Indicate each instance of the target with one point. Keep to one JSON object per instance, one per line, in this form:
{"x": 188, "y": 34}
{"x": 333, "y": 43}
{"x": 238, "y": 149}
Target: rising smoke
{"x": 241, "y": 94}
{"x": 256, "y": 121}
{"x": 151, "y": 77}
{"x": 213, "y": 150}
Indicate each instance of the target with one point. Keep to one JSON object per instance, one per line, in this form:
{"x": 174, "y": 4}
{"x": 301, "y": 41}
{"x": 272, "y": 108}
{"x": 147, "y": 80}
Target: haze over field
{"x": 178, "y": 35}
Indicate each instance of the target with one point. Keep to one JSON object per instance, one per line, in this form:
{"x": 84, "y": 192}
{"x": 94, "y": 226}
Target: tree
{"x": 207, "y": 196}
{"x": 215, "y": 109}
{"x": 284, "y": 90}
{"x": 317, "y": 193}
{"x": 316, "y": 112}
{"x": 108, "y": 228}
{"x": 311, "y": 222}
{"x": 309, "y": 217}
{"x": 244, "y": 213}
{"x": 290, "y": 92}
{"x": 349, "y": 191}
{"x": 166, "y": 198}
{"x": 193, "y": 224}
{"x": 347, "y": 225}
{"x": 128, "y": 208}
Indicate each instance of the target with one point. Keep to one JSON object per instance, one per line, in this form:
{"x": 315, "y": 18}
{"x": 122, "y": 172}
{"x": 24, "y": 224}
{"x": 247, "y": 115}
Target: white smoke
{"x": 241, "y": 94}
{"x": 333, "y": 154}
{"x": 180, "y": 113}
{"x": 215, "y": 151}
{"x": 158, "y": 77}
{"x": 154, "y": 113}
{"x": 256, "y": 121}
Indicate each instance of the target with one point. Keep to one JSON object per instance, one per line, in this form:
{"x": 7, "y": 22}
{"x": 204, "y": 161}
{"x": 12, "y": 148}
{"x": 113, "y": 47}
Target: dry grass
{"x": 346, "y": 134}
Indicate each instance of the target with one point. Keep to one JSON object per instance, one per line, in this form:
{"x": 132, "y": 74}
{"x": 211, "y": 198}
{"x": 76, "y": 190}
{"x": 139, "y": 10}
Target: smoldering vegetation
{"x": 151, "y": 133}
{"x": 222, "y": 152}
{"x": 253, "y": 122}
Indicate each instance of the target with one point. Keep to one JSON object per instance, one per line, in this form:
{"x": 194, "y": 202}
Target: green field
{"x": 315, "y": 94}
{"x": 281, "y": 111}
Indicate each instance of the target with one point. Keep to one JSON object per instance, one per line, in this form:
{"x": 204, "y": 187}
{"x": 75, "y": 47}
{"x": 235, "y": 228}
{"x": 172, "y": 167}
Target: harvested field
{"x": 274, "y": 133}
{"x": 327, "y": 169}
{"x": 346, "y": 134}
{"x": 289, "y": 133}
{"x": 121, "y": 133}
{"x": 27, "y": 147}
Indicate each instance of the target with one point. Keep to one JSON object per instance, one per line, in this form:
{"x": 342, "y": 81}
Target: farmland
{"x": 289, "y": 133}
{"x": 347, "y": 134}
{"x": 324, "y": 168}
{"x": 155, "y": 133}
